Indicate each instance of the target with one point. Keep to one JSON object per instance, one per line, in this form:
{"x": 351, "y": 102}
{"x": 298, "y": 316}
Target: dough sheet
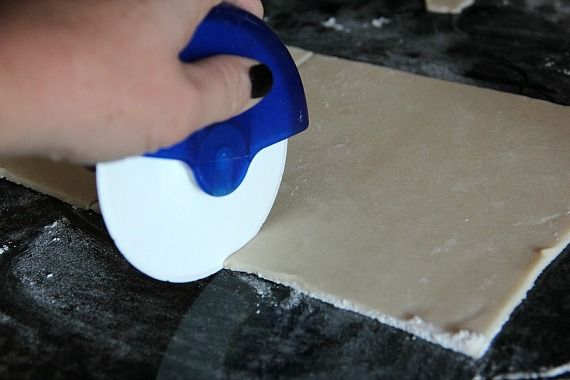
{"x": 430, "y": 206}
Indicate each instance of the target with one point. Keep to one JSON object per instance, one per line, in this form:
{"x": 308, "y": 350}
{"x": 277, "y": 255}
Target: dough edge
{"x": 470, "y": 343}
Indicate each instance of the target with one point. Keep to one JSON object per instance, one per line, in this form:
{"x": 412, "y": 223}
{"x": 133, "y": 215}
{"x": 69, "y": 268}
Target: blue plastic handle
{"x": 220, "y": 154}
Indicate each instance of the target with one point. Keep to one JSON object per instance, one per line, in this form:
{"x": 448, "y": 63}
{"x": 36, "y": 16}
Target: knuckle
{"x": 232, "y": 86}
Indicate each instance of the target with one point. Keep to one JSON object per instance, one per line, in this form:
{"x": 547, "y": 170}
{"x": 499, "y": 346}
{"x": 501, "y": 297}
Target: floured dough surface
{"x": 448, "y": 6}
{"x": 428, "y": 205}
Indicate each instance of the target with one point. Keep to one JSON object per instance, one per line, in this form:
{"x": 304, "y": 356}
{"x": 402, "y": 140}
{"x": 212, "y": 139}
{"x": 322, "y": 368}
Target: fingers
{"x": 225, "y": 86}
{"x": 210, "y": 91}
{"x": 252, "y": 6}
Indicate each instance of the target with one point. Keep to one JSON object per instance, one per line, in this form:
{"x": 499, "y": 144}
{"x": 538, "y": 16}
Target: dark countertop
{"x": 71, "y": 307}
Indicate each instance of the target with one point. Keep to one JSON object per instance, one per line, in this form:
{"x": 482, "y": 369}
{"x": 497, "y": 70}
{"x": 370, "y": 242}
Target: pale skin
{"x": 91, "y": 81}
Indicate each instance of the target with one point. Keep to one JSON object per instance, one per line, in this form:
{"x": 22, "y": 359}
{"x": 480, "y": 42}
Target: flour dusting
{"x": 332, "y": 23}
{"x": 53, "y": 225}
{"x": 544, "y": 373}
{"x": 380, "y": 22}
{"x": 295, "y": 298}
{"x": 261, "y": 287}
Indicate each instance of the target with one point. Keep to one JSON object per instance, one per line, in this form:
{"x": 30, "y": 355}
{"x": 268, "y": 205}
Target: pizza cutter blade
{"x": 178, "y": 213}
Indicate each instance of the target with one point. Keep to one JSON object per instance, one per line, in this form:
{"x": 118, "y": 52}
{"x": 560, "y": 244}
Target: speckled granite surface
{"x": 71, "y": 307}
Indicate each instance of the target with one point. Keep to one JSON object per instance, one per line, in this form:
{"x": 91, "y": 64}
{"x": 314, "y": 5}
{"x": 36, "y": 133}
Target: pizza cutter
{"x": 178, "y": 213}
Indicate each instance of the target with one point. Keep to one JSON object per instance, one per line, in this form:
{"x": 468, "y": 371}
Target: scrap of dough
{"x": 448, "y": 6}
{"x": 72, "y": 184}
{"x": 430, "y": 206}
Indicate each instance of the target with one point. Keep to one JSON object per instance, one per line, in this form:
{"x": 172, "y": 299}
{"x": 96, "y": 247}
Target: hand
{"x": 90, "y": 81}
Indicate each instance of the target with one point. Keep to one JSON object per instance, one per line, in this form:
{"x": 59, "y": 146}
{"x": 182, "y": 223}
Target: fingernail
{"x": 261, "y": 80}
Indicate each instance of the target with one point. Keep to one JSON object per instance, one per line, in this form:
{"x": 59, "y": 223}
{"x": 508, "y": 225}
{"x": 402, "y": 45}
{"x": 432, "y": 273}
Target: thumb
{"x": 226, "y": 86}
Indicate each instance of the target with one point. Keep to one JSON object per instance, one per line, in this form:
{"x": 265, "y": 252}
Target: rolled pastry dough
{"x": 430, "y": 206}
{"x": 427, "y": 205}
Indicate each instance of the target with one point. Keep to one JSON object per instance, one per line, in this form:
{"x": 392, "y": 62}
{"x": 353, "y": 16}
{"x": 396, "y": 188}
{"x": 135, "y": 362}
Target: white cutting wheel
{"x": 169, "y": 228}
